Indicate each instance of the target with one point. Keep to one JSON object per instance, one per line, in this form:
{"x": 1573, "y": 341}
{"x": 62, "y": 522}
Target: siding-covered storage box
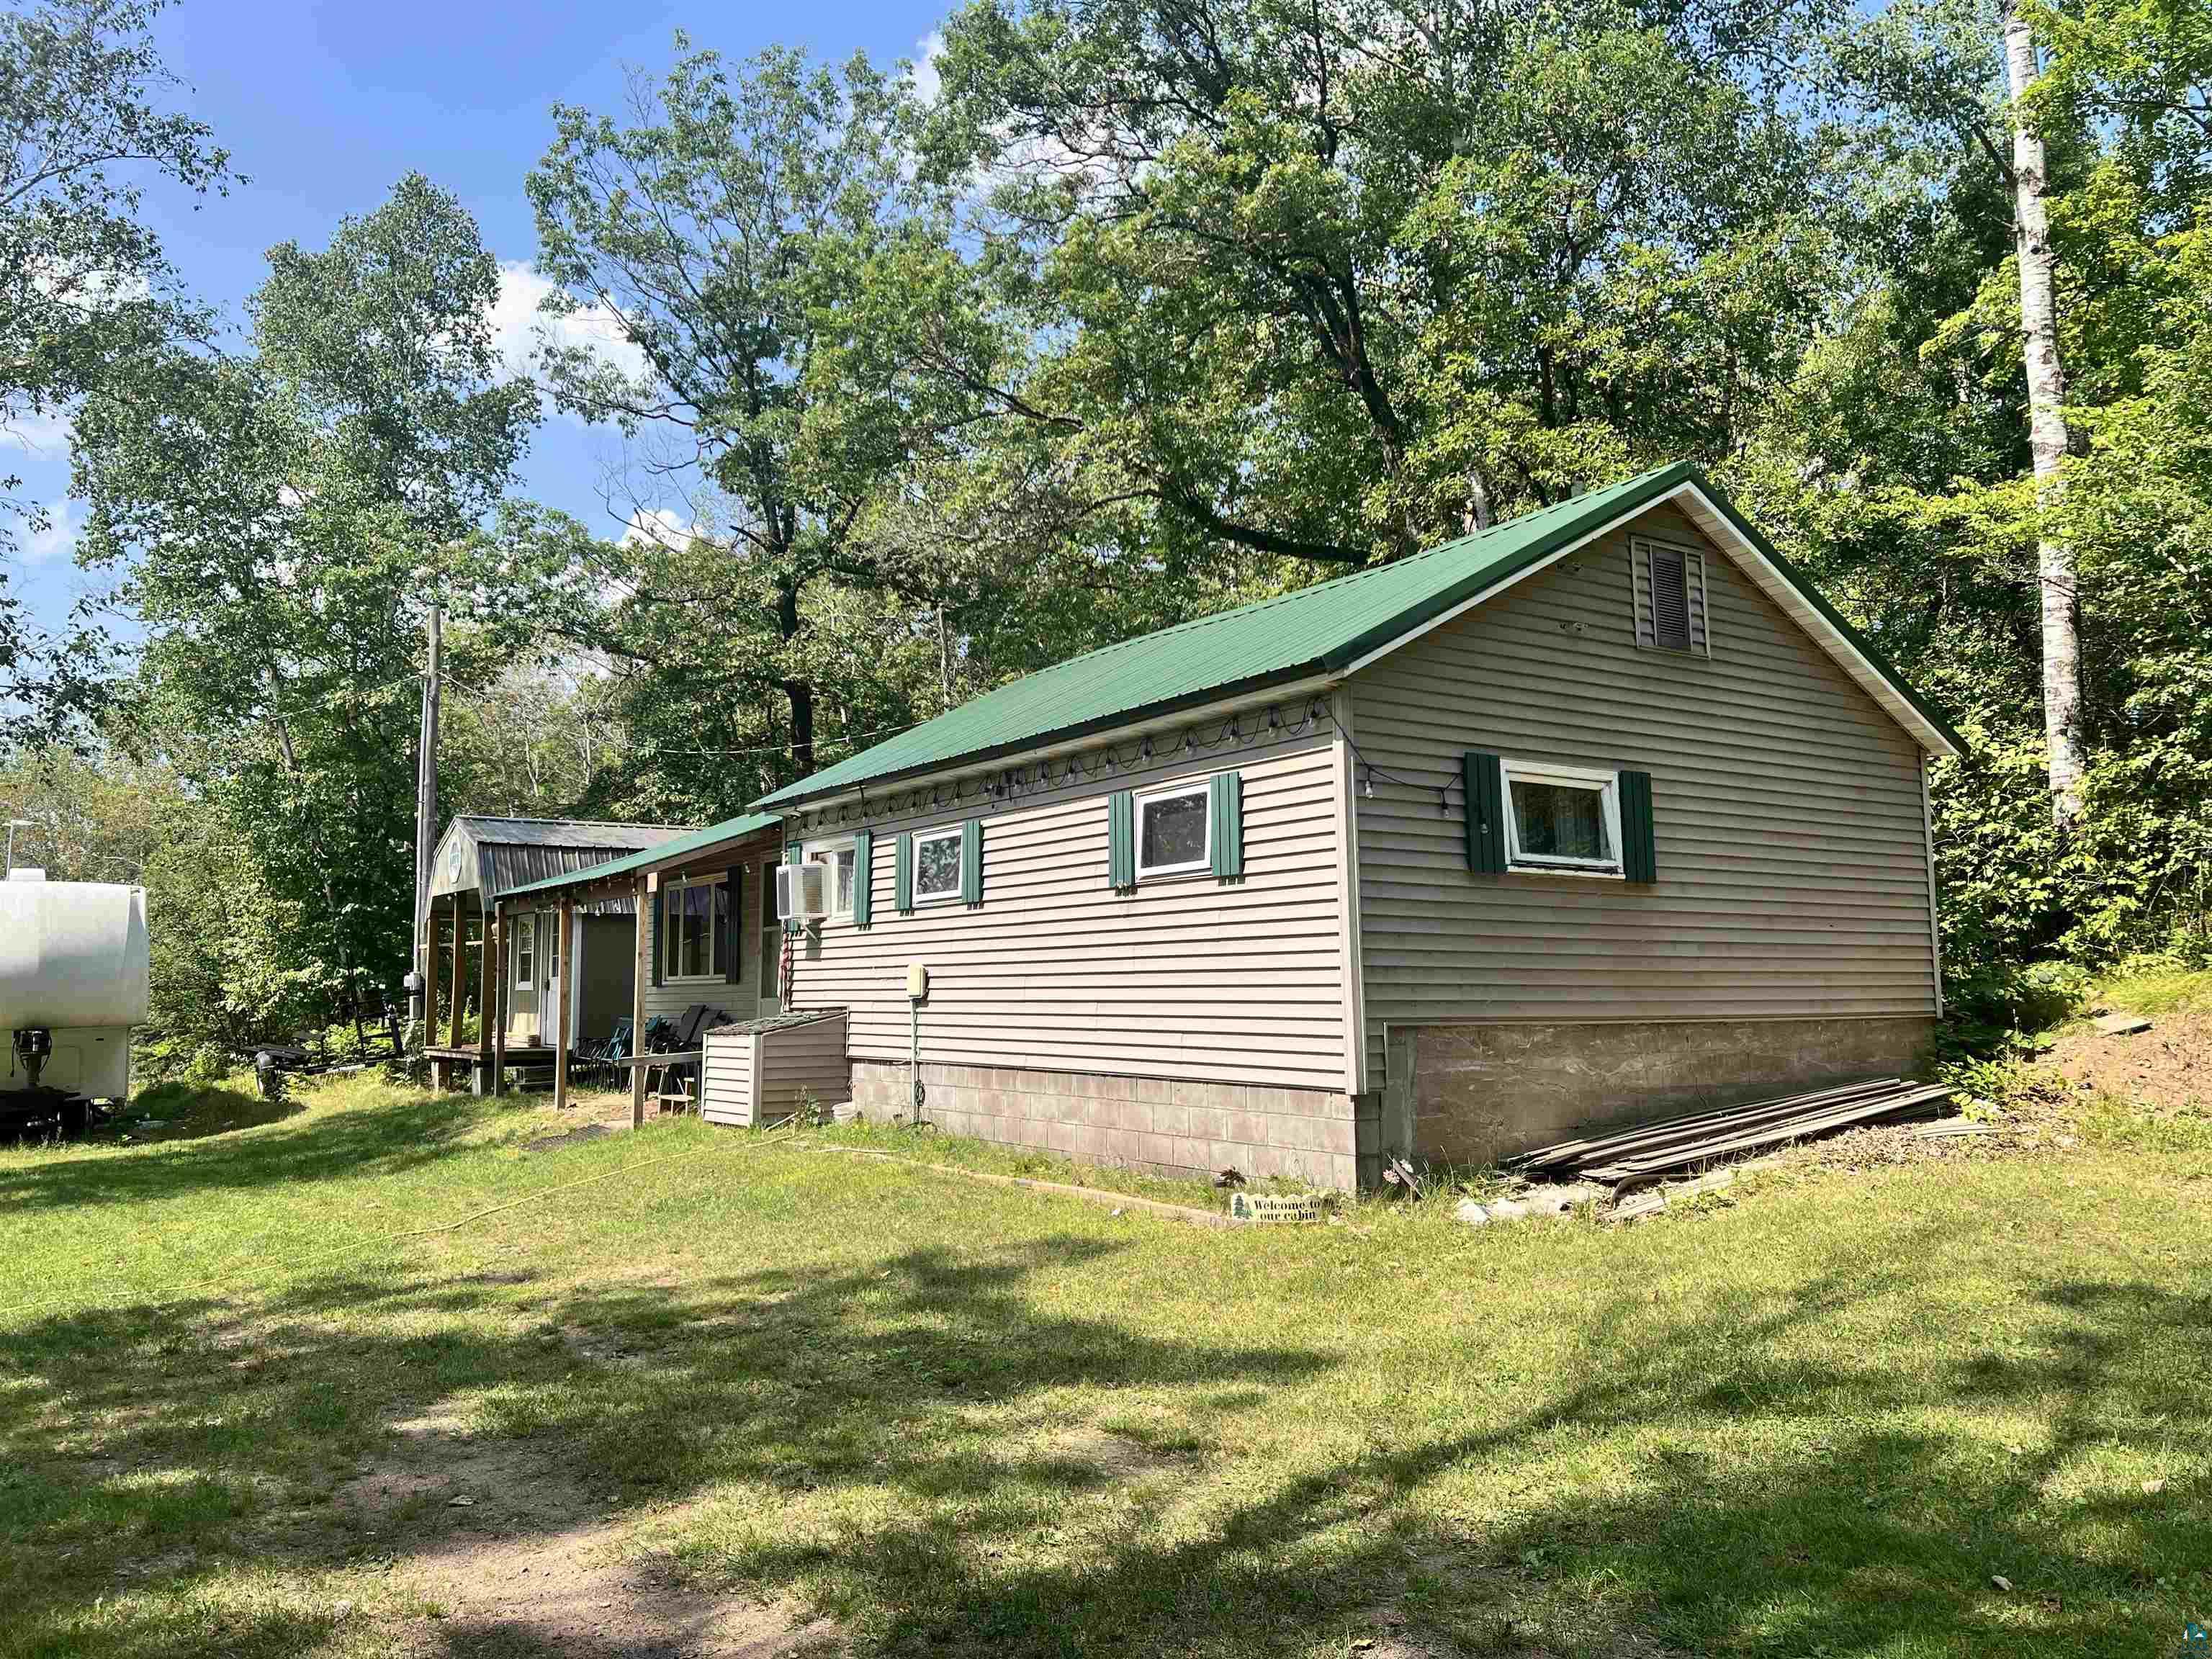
{"x": 759, "y": 1071}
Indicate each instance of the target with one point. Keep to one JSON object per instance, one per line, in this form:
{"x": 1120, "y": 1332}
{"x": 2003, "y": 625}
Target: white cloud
{"x": 46, "y": 434}
{"x": 519, "y": 327}
{"x": 928, "y": 84}
{"x": 58, "y": 540}
{"x": 651, "y": 525}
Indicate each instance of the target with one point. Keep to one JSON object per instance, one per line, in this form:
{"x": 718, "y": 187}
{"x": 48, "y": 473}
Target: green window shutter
{"x": 1225, "y": 805}
{"x": 971, "y": 861}
{"x": 1485, "y": 779}
{"x": 1122, "y": 840}
{"x": 902, "y": 875}
{"x": 660, "y": 932}
{"x": 863, "y": 873}
{"x": 793, "y": 854}
{"x": 1639, "y": 851}
{"x": 732, "y": 905}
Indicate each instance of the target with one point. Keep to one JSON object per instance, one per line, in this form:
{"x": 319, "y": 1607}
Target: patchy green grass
{"x": 961, "y": 1418}
{"x": 2155, "y": 985}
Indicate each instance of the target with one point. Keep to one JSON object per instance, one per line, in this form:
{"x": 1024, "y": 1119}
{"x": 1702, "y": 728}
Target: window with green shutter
{"x": 1194, "y": 826}
{"x": 1551, "y": 817}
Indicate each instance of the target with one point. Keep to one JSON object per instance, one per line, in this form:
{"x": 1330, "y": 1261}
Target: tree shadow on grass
{"x": 365, "y": 1140}
{"x": 1743, "y": 1535}
{"x": 197, "y": 1437}
{"x": 889, "y": 1442}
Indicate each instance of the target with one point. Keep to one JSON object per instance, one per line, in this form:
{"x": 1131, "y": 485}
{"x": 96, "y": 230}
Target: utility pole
{"x": 426, "y": 820}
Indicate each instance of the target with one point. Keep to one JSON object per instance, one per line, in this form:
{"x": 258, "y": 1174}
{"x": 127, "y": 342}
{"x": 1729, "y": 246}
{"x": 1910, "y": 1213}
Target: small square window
{"x": 1562, "y": 819}
{"x": 937, "y": 866}
{"x": 1174, "y": 832}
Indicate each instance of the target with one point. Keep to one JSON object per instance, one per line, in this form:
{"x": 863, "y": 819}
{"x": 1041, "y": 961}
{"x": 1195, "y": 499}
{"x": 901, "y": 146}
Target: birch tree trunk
{"x": 2038, "y": 321}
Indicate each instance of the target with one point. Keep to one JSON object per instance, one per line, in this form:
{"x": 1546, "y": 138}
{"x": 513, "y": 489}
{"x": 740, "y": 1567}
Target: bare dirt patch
{"x": 1113, "y": 1455}
{"x": 2167, "y": 1068}
{"x": 517, "y": 1558}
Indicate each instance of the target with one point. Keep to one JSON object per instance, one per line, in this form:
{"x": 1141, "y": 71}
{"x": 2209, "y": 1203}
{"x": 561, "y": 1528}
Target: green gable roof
{"x": 668, "y": 852}
{"x": 1321, "y": 630}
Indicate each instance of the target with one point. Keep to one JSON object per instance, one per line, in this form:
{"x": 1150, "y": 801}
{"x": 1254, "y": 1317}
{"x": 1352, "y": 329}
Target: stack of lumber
{"x": 1652, "y": 1151}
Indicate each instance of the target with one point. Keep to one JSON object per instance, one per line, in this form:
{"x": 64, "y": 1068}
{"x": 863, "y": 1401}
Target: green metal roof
{"x": 1321, "y": 630}
{"x": 668, "y": 852}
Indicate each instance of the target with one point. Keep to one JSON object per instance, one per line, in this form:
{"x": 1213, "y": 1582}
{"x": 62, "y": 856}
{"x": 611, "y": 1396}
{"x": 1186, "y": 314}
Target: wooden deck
{"x": 450, "y": 1062}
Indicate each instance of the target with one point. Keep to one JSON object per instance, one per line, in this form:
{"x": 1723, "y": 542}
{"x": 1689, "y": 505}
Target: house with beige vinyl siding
{"x": 1598, "y": 814}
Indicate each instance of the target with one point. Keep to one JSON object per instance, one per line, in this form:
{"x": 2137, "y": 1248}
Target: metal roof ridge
{"x": 1520, "y": 521}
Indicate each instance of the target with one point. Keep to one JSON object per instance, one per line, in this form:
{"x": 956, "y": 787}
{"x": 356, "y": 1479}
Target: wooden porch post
{"x": 498, "y": 1000}
{"x": 561, "y": 1033}
{"x": 637, "y": 984}
{"x": 460, "y": 979}
{"x": 484, "y": 978}
{"x": 428, "y": 969}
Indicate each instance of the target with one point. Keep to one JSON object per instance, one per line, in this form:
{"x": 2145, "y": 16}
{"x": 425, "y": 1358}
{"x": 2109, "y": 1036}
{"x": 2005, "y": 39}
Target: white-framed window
{"x": 937, "y": 865}
{"x": 771, "y": 935}
{"x": 695, "y": 920}
{"x": 1175, "y": 830}
{"x": 1562, "y": 819}
{"x": 525, "y": 952}
{"x": 836, "y": 857}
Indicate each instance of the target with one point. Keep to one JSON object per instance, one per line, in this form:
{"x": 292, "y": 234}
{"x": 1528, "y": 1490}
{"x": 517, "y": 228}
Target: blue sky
{"x": 326, "y": 105}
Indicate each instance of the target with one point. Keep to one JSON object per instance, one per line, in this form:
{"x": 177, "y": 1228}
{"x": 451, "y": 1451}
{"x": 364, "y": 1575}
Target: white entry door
{"x": 552, "y": 955}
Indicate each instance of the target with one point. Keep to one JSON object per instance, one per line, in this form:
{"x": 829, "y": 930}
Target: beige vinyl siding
{"x": 726, "y": 1084}
{"x": 801, "y": 1065}
{"x": 1186, "y": 978}
{"x": 1792, "y": 862}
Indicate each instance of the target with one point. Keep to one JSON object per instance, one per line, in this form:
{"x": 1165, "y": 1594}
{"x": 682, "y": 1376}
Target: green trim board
{"x": 1328, "y": 629}
{"x": 669, "y": 852}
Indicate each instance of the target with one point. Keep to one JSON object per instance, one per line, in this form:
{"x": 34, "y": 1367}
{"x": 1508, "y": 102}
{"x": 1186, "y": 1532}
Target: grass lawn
{"x": 1814, "y": 1418}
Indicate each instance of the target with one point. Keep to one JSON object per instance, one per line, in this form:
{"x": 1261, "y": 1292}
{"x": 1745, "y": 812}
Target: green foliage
{"x": 280, "y": 521}
{"x": 85, "y": 289}
{"x": 1341, "y": 285}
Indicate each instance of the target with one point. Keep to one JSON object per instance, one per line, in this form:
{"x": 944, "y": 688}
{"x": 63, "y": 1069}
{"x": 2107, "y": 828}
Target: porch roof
{"x": 679, "y": 849}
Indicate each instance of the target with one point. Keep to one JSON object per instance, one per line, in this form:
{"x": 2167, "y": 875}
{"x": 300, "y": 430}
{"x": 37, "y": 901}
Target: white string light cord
{"x": 783, "y": 1134}
{"x": 1242, "y": 731}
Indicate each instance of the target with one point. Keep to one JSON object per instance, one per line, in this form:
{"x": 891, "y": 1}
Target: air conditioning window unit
{"x": 802, "y": 891}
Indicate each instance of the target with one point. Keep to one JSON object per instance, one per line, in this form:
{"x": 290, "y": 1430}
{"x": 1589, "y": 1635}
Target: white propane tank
{"x": 72, "y": 955}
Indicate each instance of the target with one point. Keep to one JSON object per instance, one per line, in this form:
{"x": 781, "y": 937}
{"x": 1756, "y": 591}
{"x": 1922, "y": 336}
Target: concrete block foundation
{"x": 1472, "y": 1093}
{"x": 1158, "y": 1125}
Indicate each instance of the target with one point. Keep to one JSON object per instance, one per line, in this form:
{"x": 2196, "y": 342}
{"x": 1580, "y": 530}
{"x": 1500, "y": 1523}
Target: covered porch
{"x": 516, "y": 968}
{"x": 699, "y": 944}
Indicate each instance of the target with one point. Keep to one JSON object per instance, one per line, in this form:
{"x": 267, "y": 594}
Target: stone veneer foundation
{"x": 1474, "y": 1092}
{"x": 1153, "y": 1124}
